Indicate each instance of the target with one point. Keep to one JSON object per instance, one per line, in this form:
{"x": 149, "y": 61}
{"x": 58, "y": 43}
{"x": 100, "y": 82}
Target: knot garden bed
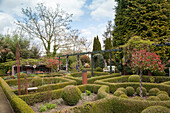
{"x": 104, "y": 84}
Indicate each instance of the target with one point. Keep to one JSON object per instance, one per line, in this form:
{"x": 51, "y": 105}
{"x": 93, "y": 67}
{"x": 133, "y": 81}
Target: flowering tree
{"x": 52, "y": 63}
{"x": 143, "y": 60}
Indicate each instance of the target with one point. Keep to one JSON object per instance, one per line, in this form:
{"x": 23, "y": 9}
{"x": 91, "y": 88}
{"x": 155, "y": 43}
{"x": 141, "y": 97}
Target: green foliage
{"x": 122, "y": 89}
{"x": 153, "y": 98}
{"x": 71, "y": 95}
{"x": 118, "y": 93}
{"x": 144, "y": 92}
{"x": 88, "y": 92}
{"x": 42, "y": 108}
{"x": 167, "y": 83}
{"x": 152, "y": 79}
{"x": 162, "y": 92}
{"x": 163, "y": 97}
{"x": 99, "y": 69}
{"x": 130, "y": 91}
{"x": 50, "y": 105}
{"x": 108, "y": 46}
{"x": 137, "y": 98}
{"x": 146, "y": 19}
{"x": 98, "y": 61}
{"x": 153, "y": 91}
{"x": 156, "y": 109}
{"x": 124, "y": 96}
{"x": 134, "y": 78}
{"x": 96, "y": 44}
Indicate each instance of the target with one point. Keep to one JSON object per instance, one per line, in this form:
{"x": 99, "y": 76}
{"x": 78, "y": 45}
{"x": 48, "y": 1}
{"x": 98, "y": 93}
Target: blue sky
{"x": 89, "y": 16}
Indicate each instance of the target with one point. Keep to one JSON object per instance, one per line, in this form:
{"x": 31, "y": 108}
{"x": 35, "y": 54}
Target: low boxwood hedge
{"x": 148, "y": 86}
{"x": 18, "y": 105}
{"x": 55, "y": 94}
{"x": 91, "y": 80}
{"x": 51, "y": 86}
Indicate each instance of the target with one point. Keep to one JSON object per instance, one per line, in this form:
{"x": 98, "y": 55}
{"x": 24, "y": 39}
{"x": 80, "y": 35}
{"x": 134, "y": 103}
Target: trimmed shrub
{"x": 153, "y": 91}
{"x": 143, "y": 91}
{"x": 156, "y": 109}
{"x": 122, "y": 89}
{"x": 71, "y": 95}
{"x": 163, "y": 97}
{"x": 99, "y": 69}
{"x": 153, "y": 98}
{"x": 118, "y": 93}
{"x": 22, "y": 75}
{"x": 162, "y": 92}
{"x": 137, "y": 98}
{"x": 134, "y": 78}
{"x": 124, "y": 96}
{"x": 130, "y": 91}
{"x": 167, "y": 83}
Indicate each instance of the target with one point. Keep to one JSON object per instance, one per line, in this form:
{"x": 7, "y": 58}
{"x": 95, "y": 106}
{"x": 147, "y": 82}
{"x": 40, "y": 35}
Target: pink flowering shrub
{"x": 142, "y": 59}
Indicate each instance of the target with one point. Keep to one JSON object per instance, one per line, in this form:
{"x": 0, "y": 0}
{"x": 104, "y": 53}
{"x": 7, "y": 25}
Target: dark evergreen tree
{"x": 96, "y": 44}
{"x": 146, "y": 18}
{"x": 108, "y": 46}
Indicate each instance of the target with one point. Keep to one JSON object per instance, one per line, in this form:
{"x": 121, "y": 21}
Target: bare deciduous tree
{"x": 49, "y": 25}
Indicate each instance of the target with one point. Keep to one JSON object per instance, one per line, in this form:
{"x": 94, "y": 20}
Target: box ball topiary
{"x": 156, "y": 109}
{"x": 153, "y": 98}
{"x": 124, "y": 96}
{"x": 134, "y": 78}
{"x": 71, "y": 95}
{"x": 130, "y": 91}
{"x": 153, "y": 91}
{"x": 162, "y": 92}
{"x": 137, "y": 98}
{"x": 163, "y": 97}
{"x": 118, "y": 93}
{"x": 99, "y": 69}
{"x": 143, "y": 91}
{"x": 122, "y": 89}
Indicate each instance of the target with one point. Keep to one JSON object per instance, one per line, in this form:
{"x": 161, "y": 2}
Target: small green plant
{"x": 88, "y": 92}
{"x": 58, "y": 102}
{"x": 152, "y": 79}
{"x": 50, "y": 105}
{"x": 42, "y": 108}
{"x": 81, "y": 96}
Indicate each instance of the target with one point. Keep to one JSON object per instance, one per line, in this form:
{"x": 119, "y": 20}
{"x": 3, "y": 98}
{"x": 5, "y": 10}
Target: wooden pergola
{"x": 92, "y": 53}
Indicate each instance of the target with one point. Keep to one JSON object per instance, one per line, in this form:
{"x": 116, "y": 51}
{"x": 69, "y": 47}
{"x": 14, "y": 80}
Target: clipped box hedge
{"x": 49, "y": 87}
{"x": 91, "y": 80}
{"x": 18, "y": 105}
{"x": 95, "y": 73}
{"x": 55, "y": 94}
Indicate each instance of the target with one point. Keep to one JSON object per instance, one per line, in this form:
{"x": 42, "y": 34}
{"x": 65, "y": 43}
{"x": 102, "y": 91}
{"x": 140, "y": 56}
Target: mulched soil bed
{"x": 61, "y": 105}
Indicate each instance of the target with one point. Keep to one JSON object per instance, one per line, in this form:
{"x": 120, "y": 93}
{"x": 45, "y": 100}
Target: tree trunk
{"x": 141, "y": 95}
{"x": 48, "y": 49}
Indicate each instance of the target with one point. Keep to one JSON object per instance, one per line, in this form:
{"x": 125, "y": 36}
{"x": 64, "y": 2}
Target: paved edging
{"x": 5, "y": 106}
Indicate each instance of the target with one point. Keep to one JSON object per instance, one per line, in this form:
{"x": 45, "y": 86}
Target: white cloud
{"x": 6, "y": 23}
{"x": 102, "y": 9}
{"x": 93, "y": 31}
{"x": 12, "y": 9}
